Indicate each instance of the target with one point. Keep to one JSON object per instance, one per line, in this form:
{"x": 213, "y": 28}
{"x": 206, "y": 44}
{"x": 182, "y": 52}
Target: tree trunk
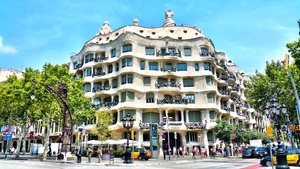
{"x": 46, "y": 141}
{"x": 19, "y": 143}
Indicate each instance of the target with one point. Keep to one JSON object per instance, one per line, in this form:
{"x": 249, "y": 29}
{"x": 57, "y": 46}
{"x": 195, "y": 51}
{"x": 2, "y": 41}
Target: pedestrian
{"x": 99, "y": 154}
{"x": 89, "y": 154}
{"x": 174, "y": 152}
{"x": 78, "y": 154}
{"x": 194, "y": 153}
{"x": 165, "y": 149}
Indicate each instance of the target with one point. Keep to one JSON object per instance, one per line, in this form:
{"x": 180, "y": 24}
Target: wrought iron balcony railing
{"x": 101, "y": 59}
{"x": 170, "y": 53}
{"x": 98, "y": 74}
{"x": 106, "y": 104}
{"x": 195, "y": 125}
{"x": 172, "y": 101}
{"x": 168, "y": 84}
{"x": 101, "y": 88}
{"x": 164, "y": 69}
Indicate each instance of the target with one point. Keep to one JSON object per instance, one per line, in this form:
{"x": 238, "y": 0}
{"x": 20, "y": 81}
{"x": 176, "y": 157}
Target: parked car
{"x": 248, "y": 153}
{"x": 266, "y": 161}
{"x": 293, "y": 157}
{"x": 261, "y": 152}
{"x": 139, "y": 153}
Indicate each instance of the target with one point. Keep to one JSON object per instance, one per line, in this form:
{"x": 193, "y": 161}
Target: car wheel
{"x": 298, "y": 163}
{"x": 140, "y": 158}
{"x": 268, "y": 163}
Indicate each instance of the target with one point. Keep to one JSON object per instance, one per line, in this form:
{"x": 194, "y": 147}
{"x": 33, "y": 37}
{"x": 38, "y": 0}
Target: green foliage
{"x": 294, "y": 49}
{"x": 223, "y": 130}
{"x": 103, "y": 121}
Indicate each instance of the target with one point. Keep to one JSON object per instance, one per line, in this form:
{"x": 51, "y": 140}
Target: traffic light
{"x": 79, "y": 136}
{"x": 132, "y": 134}
{"x": 286, "y": 62}
{"x": 269, "y": 131}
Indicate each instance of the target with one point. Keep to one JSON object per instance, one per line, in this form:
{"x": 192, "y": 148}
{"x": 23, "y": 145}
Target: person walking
{"x": 89, "y": 154}
{"x": 99, "y": 154}
{"x": 194, "y": 152}
{"x": 78, "y": 154}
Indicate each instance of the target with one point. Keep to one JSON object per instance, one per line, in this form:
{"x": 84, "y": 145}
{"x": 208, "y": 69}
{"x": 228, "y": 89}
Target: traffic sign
{"x": 163, "y": 137}
{"x": 175, "y": 135}
{"x": 8, "y": 136}
{"x": 290, "y": 135}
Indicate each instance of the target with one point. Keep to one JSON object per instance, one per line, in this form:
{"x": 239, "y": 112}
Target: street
{"x": 224, "y": 163}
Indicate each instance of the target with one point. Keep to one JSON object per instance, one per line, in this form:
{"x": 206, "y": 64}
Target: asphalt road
{"x": 181, "y": 163}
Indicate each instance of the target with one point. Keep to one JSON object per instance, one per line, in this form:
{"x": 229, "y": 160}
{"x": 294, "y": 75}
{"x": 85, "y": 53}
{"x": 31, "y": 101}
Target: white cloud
{"x": 6, "y": 48}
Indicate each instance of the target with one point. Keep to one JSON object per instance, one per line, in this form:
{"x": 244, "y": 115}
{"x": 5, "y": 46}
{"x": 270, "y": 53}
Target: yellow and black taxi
{"x": 292, "y": 157}
{"x": 139, "y": 153}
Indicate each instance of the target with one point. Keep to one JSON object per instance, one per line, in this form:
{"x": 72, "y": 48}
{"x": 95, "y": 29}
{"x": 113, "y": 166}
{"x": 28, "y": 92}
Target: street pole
{"x": 169, "y": 151}
{"x": 296, "y": 93}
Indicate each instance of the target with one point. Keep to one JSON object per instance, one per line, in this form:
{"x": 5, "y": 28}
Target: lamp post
{"x": 299, "y": 25}
{"x": 272, "y": 108}
{"x": 61, "y": 97}
{"x": 128, "y": 121}
{"x": 168, "y": 129}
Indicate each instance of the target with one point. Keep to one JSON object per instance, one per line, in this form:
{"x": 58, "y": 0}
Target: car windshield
{"x": 261, "y": 148}
{"x": 248, "y": 150}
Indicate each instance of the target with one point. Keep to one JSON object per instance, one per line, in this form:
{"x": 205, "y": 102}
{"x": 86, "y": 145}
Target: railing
{"x": 207, "y": 54}
{"x": 88, "y": 60}
{"x": 106, "y": 104}
{"x": 101, "y": 88}
{"x": 164, "y": 69}
{"x": 226, "y": 108}
{"x": 98, "y": 74}
{"x": 223, "y": 91}
{"x": 195, "y": 125}
{"x": 222, "y": 77}
{"x": 78, "y": 66}
{"x": 168, "y": 84}
{"x": 147, "y": 125}
{"x": 100, "y": 59}
{"x": 173, "y": 101}
{"x": 171, "y": 53}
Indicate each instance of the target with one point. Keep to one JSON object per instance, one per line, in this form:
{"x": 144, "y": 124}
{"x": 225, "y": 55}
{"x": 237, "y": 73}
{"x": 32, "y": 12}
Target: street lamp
{"x": 299, "y": 25}
{"x": 168, "y": 129}
{"x": 128, "y": 121}
{"x": 273, "y": 107}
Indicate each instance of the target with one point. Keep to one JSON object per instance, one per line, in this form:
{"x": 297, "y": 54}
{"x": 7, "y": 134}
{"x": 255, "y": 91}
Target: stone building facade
{"x": 164, "y": 73}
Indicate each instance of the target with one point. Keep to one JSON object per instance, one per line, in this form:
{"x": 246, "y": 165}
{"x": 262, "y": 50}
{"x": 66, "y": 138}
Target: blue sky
{"x": 250, "y": 32}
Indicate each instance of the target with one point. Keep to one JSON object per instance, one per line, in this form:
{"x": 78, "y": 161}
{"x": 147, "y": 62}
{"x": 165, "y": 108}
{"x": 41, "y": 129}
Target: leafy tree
{"x": 223, "y": 131}
{"x": 294, "y": 49}
{"x": 103, "y": 121}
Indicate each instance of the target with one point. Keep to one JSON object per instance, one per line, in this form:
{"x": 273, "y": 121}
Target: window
{"x": 171, "y": 51}
{"x": 150, "y": 117}
{"x": 113, "y": 53}
{"x": 87, "y": 87}
{"x": 194, "y": 116}
{"x": 89, "y": 58}
{"x": 153, "y": 66}
{"x": 181, "y": 67}
{"x": 190, "y": 98}
{"x": 149, "y": 98}
{"x": 87, "y": 72}
{"x": 212, "y": 116}
{"x": 191, "y": 136}
{"x": 127, "y": 96}
{"x": 142, "y": 65}
{"x": 117, "y": 67}
{"x": 210, "y": 98}
{"x": 210, "y": 136}
{"x": 127, "y": 78}
{"x": 149, "y": 51}
{"x": 130, "y": 111}
{"x": 110, "y": 69}
{"x": 209, "y": 81}
{"x": 126, "y": 62}
{"x": 207, "y": 66}
{"x": 196, "y": 67}
{"x": 187, "y": 52}
{"x": 204, "y": 52}
{"x": 115, "y": 83}
{"x": 188, "y": 82}
{"x": 146, "y": 81}
{"x": 168, "y": 66}
{"x": 127, "y": 48}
